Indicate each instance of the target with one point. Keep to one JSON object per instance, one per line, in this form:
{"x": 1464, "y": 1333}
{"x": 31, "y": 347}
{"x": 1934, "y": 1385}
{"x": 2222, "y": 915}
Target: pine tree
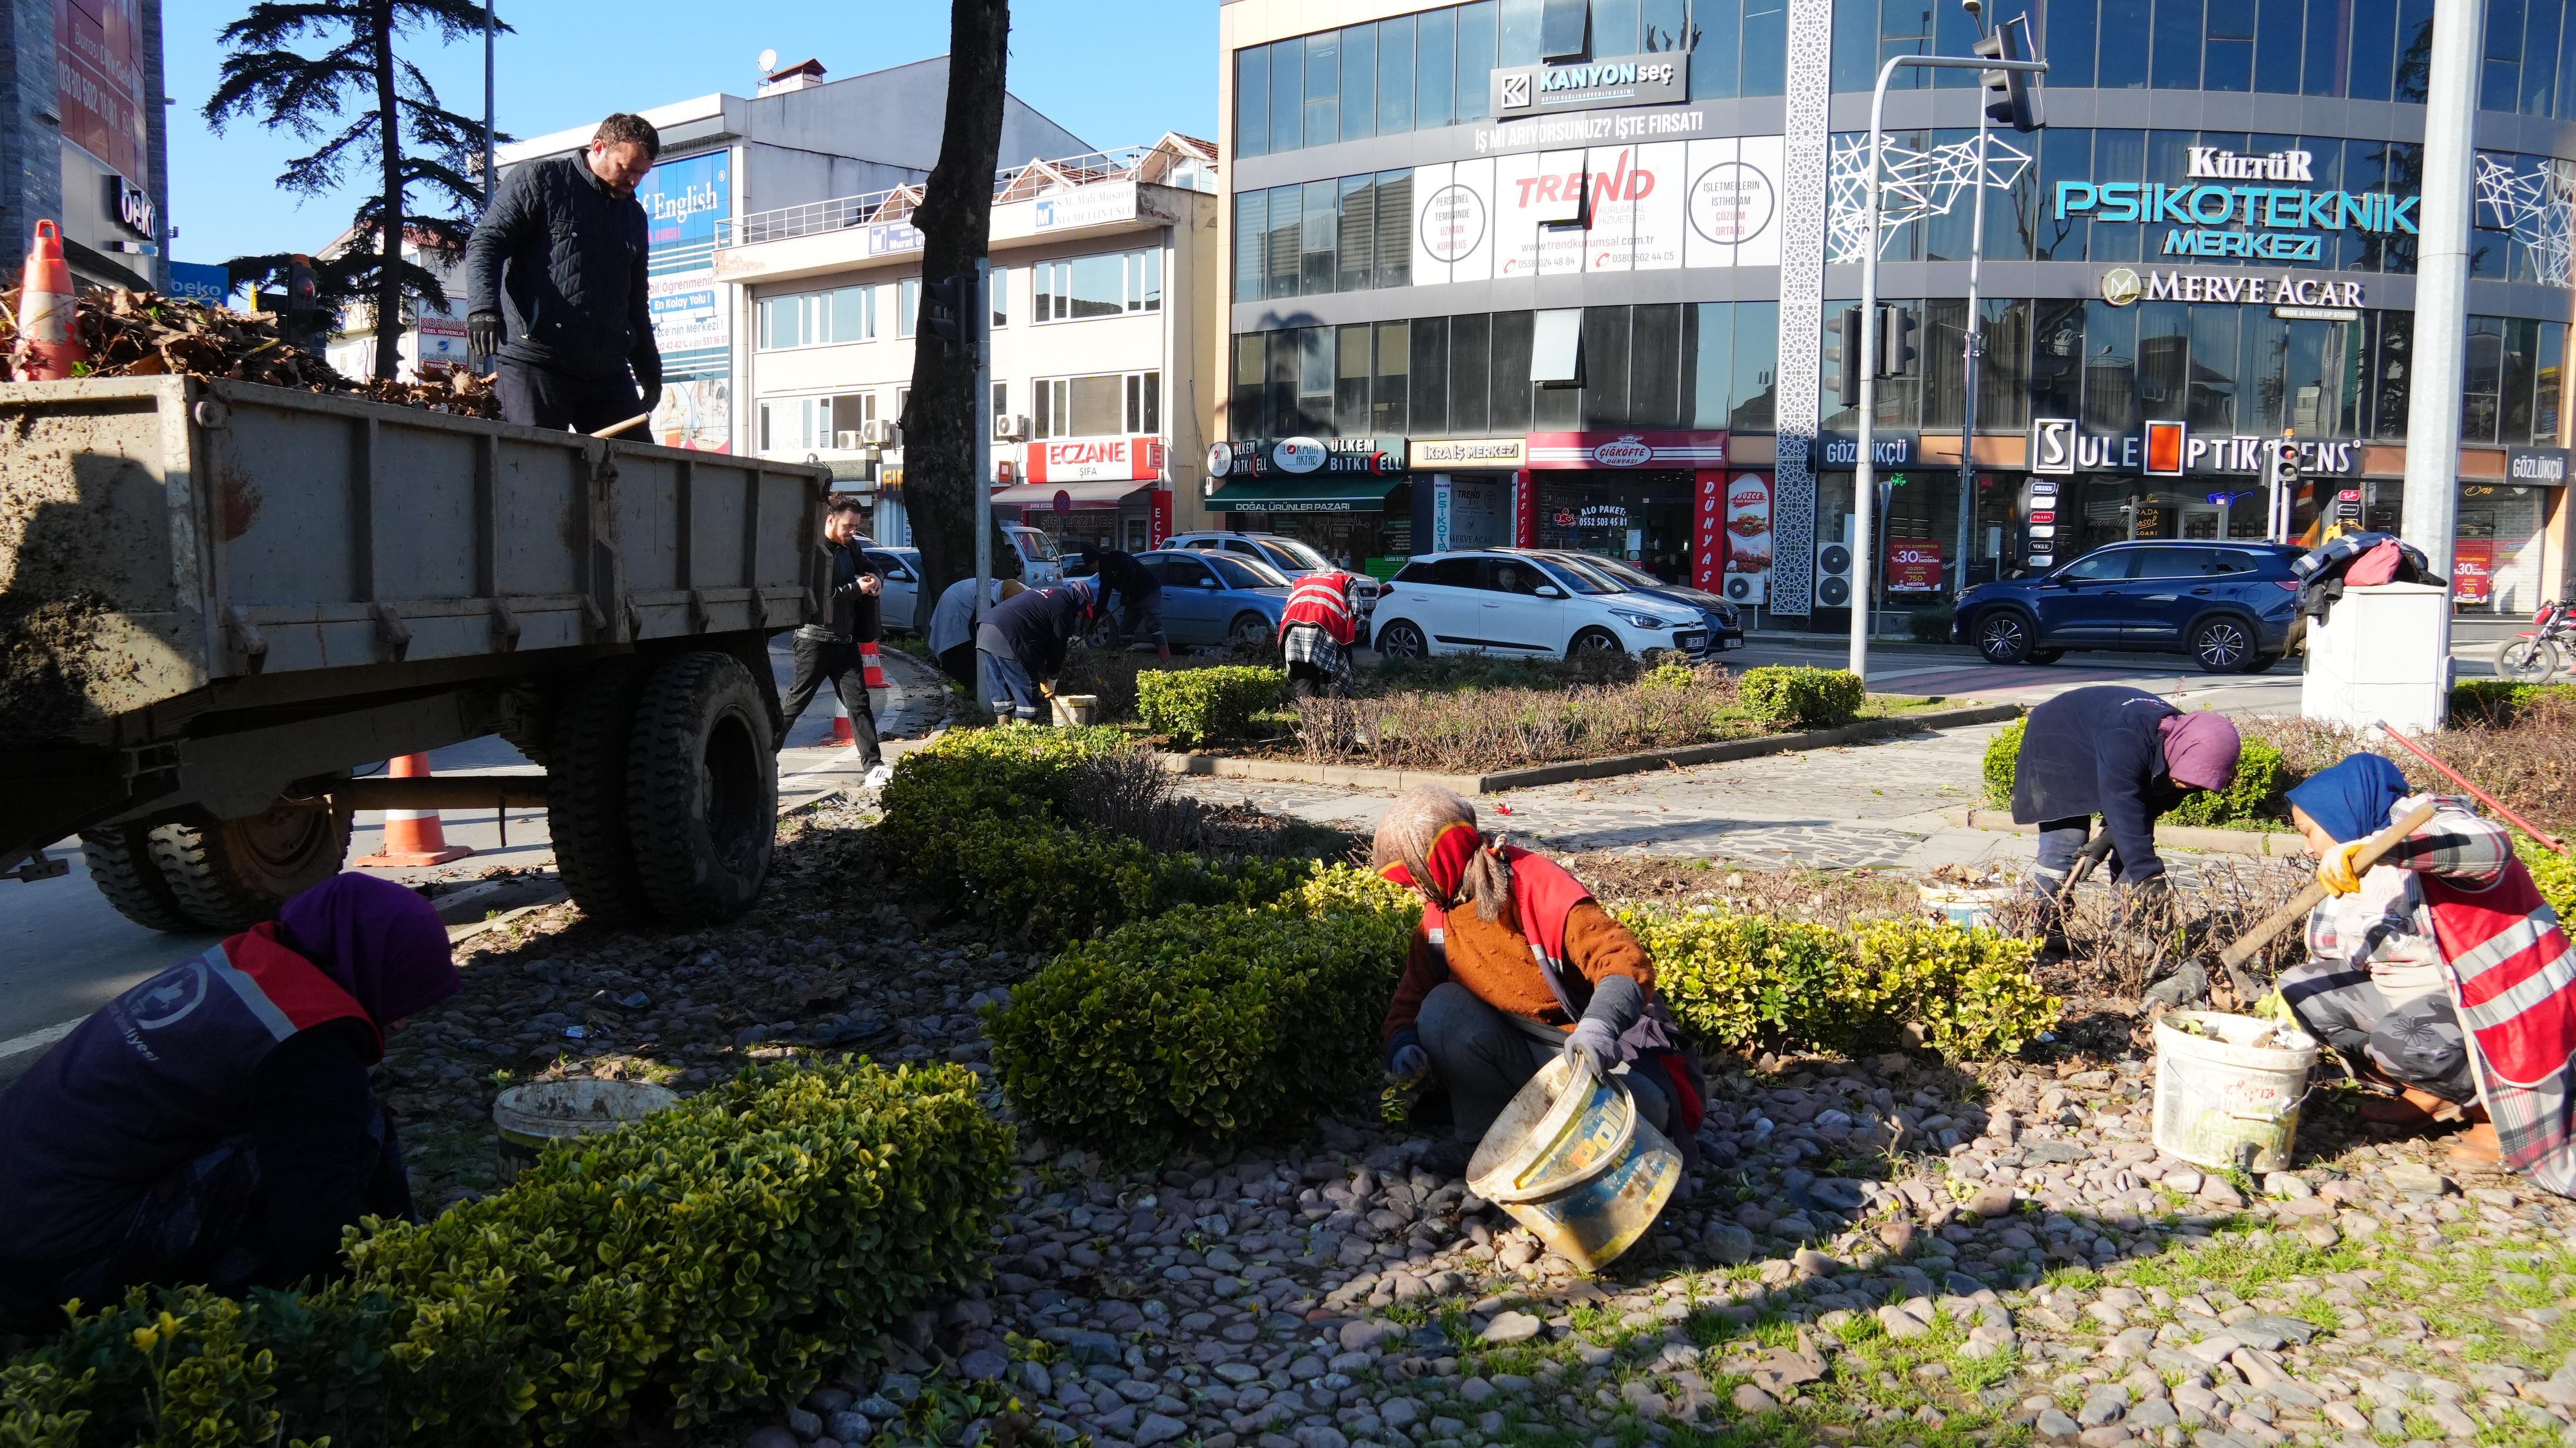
{"x": 414, "y": 142}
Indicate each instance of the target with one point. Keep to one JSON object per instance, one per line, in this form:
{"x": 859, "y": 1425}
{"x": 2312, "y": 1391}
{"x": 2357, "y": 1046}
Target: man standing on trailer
{"x": 555, "y": 285}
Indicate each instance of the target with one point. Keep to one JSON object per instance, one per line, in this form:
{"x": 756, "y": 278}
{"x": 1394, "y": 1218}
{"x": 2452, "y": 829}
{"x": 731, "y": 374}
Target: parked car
{"x": 1217, "y": 599}
{"x": 1725, "y": 626}
{"x": 901, "y": 570}
{"x": 1041, "y": 566}
{"x": 1293, "y": 557}
{"x": 2232, "y": 606}
{"x": 1507, "y": 602}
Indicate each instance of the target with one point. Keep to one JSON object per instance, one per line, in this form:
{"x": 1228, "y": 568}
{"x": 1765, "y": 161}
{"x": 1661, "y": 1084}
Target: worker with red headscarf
{"x": 214, "y": 1124}
{"x": 1515, "y": 964}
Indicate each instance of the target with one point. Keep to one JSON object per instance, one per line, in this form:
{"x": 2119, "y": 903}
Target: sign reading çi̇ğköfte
{"x": 2240, "y": 206}
{"x": 2059, "y": 447}
{"x": 1619, "y": 80}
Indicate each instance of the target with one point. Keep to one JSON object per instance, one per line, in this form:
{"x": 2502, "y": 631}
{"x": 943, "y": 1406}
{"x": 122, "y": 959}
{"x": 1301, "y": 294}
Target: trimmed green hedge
{"x": 2257, "y": 796}
{"x": 1807, "y": 698}
{"x": 2498, "y": 702}
{"x": 1756, "y": 982}
{"x": 1208, "y": 1024}
{"x": 1196, "y": 705}
{"x": 2555, "y": 874}
{"x": 2003, "y": 758}
{"x": 710, "y": 1260}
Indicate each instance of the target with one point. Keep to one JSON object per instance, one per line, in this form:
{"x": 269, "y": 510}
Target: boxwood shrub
{"x": 1808, "y": 698}
{"x": 2003, "y": 758}
{"x": 2554, "y": 873}
{"x": 712, "y": 1259}
{"x": 1194, "y": 706}
{"x": 1758, "y": 982}
{"x": 1208, "y": 1024}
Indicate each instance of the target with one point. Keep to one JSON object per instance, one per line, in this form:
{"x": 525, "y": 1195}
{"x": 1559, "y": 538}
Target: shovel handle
{"x": 2307, "y": 899}
{"x": 614, "y": 428}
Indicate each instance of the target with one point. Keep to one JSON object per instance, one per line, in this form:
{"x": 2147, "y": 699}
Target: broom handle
{"x": 613, "y": 429}
{"x": 2306, "y": 900}
{"x": 2484, "y": 798}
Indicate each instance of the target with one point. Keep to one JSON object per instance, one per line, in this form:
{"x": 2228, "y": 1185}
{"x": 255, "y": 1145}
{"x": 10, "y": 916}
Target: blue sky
{"x": 1114, "y": 74}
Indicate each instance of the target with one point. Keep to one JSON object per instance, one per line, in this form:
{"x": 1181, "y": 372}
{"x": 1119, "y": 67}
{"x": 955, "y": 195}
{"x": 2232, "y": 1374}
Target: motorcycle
{"x": 2536, "y": 656}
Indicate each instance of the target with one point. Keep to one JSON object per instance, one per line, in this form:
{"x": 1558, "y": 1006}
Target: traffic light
{"x": 943, "y": 310}
{"x": 1895, "y": 346}
{"x": 1843, "y": 349}
{"x": 2011, "y": 98}
{"x": 2288, "y": 464}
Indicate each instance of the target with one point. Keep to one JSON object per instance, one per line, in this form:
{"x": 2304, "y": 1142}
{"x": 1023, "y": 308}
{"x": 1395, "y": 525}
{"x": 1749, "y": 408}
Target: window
{"x": 1442, "y": 572}
{"x": 1512, "y": 575}
{"x": 1113, "y": 284}
{"x": 2101, "y": 567}
{"x": 1001, "y": 400}
{"x": 907, "y": 306}
{"x": 812, "y": 424}
{"x": 1252, "y": 101}
{"x": 1103, "y": 404}
{"x": 818, "y": 319}
{"x": 1176, "y": 572}
{"x": 1000, "y": 285}
{"x": 1556, "y": 348}
{"x": 1564, "y": 29}
{"x": 2167, "y": 563}
{"x": 1246, "y": 573}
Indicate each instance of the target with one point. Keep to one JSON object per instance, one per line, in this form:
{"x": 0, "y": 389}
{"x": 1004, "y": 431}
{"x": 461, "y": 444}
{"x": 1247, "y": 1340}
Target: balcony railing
{"x": 1162, "y": 164}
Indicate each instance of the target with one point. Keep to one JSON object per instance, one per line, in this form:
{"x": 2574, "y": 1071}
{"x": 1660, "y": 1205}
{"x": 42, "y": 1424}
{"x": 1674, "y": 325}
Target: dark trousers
{"x": 958, "y": 663}
{"x": 2419, "y": 1043}
{"x": 838, "y": 661}
{"x": 1484, "y": 1057}
{"x": 542, "y": 397}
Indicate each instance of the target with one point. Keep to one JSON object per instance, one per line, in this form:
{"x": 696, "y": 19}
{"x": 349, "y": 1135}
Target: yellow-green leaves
{"x": 1195, "y": 705}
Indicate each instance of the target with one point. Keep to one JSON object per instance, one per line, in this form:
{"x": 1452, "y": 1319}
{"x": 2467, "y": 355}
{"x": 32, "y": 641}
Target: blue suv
{"x": 2232, "y": 606}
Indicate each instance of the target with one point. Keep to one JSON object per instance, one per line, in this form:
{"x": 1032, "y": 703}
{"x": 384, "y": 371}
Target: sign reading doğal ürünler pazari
{"x": 2232, "y": 205}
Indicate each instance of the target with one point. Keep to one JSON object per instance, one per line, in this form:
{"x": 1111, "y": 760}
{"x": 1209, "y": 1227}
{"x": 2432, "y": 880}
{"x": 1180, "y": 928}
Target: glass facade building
{"x": 1571, "y": 272}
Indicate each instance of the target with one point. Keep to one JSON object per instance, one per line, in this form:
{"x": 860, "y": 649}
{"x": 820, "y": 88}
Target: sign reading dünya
{"x": 2238, "y": 211}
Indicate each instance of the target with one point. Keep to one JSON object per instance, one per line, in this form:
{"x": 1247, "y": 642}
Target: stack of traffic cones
{"x": 413, "y": 837}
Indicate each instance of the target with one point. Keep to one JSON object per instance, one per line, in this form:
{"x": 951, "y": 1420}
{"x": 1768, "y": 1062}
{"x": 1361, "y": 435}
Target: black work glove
{"x": 482, "y": 336}
{"x": 651, "y": 391}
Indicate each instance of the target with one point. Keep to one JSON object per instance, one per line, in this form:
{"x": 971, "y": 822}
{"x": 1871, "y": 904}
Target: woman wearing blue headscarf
{"x": 2439, "y": 971}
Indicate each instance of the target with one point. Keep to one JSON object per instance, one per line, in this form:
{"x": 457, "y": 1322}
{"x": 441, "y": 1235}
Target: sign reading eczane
{"x": 1625, "y": 80}
{"x": 2234, "y": 205}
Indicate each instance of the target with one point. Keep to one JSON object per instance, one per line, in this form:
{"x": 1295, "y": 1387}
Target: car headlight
{"x": 1641, "y": 620}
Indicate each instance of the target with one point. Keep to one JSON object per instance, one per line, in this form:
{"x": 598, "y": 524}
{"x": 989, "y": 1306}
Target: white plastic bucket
{"x": 2222, "y": 1101}
{"x": 1076, "y": 711}
{"x": 532, "y": 1117}
{"x": 1571, "y": 1160}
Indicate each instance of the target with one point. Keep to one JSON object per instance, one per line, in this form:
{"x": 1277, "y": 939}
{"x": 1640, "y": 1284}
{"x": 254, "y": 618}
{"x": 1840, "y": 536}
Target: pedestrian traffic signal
{"x": 1843, "y": 349}
{"x": 943, "y": 310}
{"x": 1895, "y": 341}
{"x": 2011, "y": 98}
{"x": 2286, "y": 465}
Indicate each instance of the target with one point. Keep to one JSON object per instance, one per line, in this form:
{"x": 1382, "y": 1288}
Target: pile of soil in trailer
{"x": 144, "y": 334}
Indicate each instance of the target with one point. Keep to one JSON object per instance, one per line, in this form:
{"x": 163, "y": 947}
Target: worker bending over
{"x": 2120, "y": 753}
{"x": 1513, "y": 965}
{"x": 1022, "y": 641}
{"x": 214, "y": 1124}
{"x": 2439, "y": 971}
{"x": 1316, "y": 629}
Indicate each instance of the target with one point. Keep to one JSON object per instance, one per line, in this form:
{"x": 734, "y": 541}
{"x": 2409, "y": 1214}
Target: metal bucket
{"x": 530, "y": 1118}
{"x": 2223, "y": 1101}
{"x": 1571, "y": 1160}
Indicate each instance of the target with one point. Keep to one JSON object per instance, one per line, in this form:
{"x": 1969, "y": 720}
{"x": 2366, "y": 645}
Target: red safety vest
{"x": 2512, "y": 976}
{"x": 1321, "y": 599}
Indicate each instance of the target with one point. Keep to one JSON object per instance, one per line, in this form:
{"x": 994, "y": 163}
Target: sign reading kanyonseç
{"x": 2233, "y": 205}
{"x": 1624, "y": 80}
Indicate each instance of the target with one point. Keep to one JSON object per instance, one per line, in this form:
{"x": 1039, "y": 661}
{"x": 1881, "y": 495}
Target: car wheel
{"x": 2222, "y": 645}
{"x": 1595, "y": 643}
{"x": 2004, "y": 637}
{"x": 2046, "y": 656}
{"x": 1250, "y": 631}
{"x": 1401, "y": 640}
{"x": 2261, "y": 663}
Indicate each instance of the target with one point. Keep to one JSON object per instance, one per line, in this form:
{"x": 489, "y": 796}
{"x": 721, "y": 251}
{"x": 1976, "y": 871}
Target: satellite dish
{"x": 768, "y": 61}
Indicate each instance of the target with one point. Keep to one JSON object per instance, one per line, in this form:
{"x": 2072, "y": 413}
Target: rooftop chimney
{"x": 800, "y": 76}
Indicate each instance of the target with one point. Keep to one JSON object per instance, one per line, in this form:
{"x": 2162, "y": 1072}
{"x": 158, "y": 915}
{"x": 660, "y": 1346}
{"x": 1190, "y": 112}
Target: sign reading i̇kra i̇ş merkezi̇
{"x": 2239, "y": 206}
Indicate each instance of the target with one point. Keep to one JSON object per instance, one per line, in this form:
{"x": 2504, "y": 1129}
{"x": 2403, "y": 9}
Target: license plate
{"x": 1693, "y": 640}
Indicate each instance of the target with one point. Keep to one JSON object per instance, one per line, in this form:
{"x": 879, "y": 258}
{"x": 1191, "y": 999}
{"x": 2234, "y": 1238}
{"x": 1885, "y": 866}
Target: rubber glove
{"x": 1593, "y": 1047}
{"x": 2336, "y": 871}
{"x": 1405, "y": 1056}
{"x": 1617, "y": 1002}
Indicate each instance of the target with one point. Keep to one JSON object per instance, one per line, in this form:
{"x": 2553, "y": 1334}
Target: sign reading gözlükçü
{"x": 2240, "y": 206}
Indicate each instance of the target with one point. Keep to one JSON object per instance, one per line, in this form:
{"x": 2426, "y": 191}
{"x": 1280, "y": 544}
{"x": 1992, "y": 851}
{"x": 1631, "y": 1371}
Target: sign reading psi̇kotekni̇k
{"x": 2241, "y": 206}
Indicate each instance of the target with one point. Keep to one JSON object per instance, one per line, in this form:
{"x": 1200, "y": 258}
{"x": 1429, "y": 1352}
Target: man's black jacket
{"x": 562, "y": 260}
{"x": 1033, "y": 627}
{"x": 849, "y": 615}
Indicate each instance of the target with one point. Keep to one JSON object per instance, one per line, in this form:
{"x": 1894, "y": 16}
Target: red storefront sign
{"x": 1158, "y": 526}
{"x": 1913, "y": 566}
{"x": 1708, "y": 531}
{"x": 2473, "y": 570}
{"x": 1524, "y": 510}
{"x": 1748, "y": 524}
{"x": 1096, "y": 460}
{"x": 1627, "y": 449}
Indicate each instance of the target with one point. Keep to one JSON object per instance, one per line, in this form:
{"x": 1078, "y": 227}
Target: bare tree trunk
{"x": 956, "y": 222}
{"x": 389, "y": 318}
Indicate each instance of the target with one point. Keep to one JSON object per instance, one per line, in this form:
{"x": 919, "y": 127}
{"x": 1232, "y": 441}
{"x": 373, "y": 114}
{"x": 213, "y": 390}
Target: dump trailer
{"x": 220, "y": 599}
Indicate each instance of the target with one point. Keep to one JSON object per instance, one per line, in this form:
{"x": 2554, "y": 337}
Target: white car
{"x": 1041, "y": 565}
{"x": 1290, "y": 556}
{"x": 1515, "y": 604}
{"x": 901, "y": 570}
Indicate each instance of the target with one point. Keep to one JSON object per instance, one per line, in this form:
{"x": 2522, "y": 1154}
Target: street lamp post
{"x": 1974, "y": 345}
{"x": 1864, "y": 475}
{"x": 491, "y": 179}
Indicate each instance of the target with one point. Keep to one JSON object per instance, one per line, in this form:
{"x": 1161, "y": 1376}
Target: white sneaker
{"x": 876, "y": 778}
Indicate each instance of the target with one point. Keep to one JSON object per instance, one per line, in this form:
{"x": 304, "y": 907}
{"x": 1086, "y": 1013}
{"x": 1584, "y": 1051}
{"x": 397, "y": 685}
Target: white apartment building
{"x": 1107, "y": 307}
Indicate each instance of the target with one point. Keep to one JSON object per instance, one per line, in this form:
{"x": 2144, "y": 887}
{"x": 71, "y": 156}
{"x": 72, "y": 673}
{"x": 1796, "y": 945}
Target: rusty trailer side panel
{"x": 159, "y": 535}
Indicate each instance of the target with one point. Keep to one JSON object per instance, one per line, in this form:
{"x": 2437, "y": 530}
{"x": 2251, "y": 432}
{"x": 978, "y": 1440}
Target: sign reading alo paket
{"x": 1095, "y": 459}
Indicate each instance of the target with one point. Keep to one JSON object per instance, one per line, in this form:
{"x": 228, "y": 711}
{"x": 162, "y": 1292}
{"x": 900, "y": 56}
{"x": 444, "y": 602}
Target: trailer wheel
{"x": 120, "y": 864}
{"x": 702, "y": 789}
{"x": 233, "y": 874}
{"x": 586, "y": 792}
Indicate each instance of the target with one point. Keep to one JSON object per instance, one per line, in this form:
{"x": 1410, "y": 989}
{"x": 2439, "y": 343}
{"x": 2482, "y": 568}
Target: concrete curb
{"x": 2263, "y": 843}
{"x": 1397, "y": 781}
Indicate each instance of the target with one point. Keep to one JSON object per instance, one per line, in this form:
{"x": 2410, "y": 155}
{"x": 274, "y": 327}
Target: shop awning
{"x": 1084, "y": 495}
{"x": 1356, "y": 493}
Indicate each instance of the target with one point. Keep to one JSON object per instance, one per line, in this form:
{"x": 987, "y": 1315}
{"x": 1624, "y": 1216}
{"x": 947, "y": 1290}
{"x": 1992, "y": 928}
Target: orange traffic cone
{"x": 841, "y": 731}
{"x": 48, "y": 335}
{"x": 412, "y": 836}
{"x": 872, "y": 667}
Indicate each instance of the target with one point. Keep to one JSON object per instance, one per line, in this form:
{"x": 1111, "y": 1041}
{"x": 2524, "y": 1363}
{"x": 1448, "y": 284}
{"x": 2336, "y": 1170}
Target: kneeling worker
{"x": 214, "y": 1124}
{"x": 2123, "y": 754}
{"x": 1513, "y": 965}
{"x": 2440, "y": 971}
{"x": 1022, "y": 641}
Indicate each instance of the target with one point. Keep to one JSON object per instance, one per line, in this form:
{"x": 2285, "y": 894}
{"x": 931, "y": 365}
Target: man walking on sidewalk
{"x": 555, "y": 282}
{"x": 830, "y": 649}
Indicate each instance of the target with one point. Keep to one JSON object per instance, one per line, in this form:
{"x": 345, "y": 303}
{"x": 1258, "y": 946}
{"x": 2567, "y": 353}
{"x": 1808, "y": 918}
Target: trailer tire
{"x": 120, "y": 864}
{"x": 232, "y": 874}
{"x": 702, "y": 788}
{"x": 586, "y": 792}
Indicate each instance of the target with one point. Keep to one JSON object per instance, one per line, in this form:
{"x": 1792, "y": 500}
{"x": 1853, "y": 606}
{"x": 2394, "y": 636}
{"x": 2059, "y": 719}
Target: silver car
{"x": 901, "y": 570}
